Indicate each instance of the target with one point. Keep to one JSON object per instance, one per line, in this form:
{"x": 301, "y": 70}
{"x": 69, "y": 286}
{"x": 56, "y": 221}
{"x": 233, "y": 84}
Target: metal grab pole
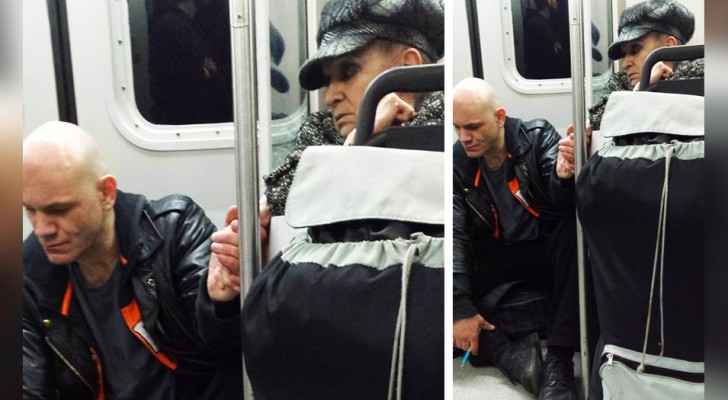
{"x": 576, "y": 35}
{"x": 246, "y": 148}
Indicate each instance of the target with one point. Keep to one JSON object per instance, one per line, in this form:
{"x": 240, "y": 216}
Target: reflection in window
{"x": 189, "y": 63}
{"x": 541, "y": 38}
{"x": 182, "y": 61}
{"x": 601, "y": 36}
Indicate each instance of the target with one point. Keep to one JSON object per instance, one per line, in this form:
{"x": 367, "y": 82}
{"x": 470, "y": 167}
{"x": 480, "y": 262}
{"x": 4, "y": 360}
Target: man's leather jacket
{"x": 532, "y": 147}
{"x": 166, "y": 245}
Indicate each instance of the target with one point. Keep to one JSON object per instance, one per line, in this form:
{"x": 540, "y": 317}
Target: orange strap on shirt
{"x": 133, "y": 318}
{"x": 516, "y": 190}
{"x": 67, "y": 299}
{"x": 100, "y": 371}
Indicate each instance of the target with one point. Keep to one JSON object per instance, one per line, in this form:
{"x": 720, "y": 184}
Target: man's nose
{"x": 44, "y": 226}
{"x": 462, "y": 134}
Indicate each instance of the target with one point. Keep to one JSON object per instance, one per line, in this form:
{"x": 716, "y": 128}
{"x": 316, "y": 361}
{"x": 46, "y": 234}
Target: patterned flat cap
{"x": 348, "y": 25}
{"x": 662, "y": 16}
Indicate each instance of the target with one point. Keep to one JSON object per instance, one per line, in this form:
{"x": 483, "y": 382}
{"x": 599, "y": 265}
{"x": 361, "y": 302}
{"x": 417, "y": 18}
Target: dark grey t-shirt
{"x": 516, "y": 223}
{"x": 130, "y": 370}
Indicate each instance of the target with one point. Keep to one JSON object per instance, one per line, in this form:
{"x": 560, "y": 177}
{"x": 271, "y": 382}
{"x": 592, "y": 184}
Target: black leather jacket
{"x": 533, "y": 146}
{"x": 167, "y": 246}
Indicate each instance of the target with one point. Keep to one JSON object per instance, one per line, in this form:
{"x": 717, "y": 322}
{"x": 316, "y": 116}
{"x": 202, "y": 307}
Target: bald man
{"x": 126, "y": 300}
{"x": 506, "y": 229}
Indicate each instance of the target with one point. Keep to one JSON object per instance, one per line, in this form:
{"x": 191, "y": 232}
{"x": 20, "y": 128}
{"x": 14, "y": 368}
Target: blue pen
{"x": 465, "y": 358}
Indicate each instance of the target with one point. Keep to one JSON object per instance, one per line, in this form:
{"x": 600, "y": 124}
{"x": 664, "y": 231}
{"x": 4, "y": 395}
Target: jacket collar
{"x": 517, "y": 142}
{"x": 138, "y": 237}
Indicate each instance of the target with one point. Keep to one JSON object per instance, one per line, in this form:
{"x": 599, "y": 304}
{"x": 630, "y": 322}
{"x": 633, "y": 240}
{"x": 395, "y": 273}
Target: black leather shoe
{"x": 558, "y": 379}
{"x": 521, "y": 362}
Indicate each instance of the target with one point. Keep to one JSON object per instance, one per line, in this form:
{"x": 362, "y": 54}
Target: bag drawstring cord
{"x": 400, "y": 329}
{"x": 659, "y": 253}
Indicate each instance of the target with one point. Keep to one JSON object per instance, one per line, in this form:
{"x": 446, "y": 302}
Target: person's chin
{"x": 59, "y": 256}
{"x": 345, "y": 130}
{"x": 473, "y": 152}
{"x": 60, "y": 259}
{"x": 634, "y": 80}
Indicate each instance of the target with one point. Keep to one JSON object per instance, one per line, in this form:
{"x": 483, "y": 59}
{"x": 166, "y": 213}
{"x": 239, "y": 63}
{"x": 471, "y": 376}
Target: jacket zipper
{"x": 480, "y": 215}
{"x": 496, "y": 232}
{"x": 68, "y": 364}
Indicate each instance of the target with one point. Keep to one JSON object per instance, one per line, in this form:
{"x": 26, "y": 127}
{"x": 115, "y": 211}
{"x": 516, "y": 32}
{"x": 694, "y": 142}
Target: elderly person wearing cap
{"x": 357, "y": 41}
{"x": 643, "y": 28}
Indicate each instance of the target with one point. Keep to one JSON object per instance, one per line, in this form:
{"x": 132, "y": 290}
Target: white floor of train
{"x": 480, "y": 383}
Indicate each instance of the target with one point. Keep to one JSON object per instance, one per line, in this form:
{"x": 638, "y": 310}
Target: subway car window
{"x": 288, "y": 51}
{"x": 541, "y": 38}
{"x": 181, "y": 61}
{"x": 182, "y": 65}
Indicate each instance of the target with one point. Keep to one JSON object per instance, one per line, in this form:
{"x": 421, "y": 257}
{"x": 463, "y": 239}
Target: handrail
{"x": 668, "y": 53}
{"x": 420, "y": 78}
{"x": 576, "y": 34}
{"x": 246, "y": 148}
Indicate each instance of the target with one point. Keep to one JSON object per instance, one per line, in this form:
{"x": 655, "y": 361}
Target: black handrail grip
{"x": 420, "y": 78}
{"x": 669, "y": 53}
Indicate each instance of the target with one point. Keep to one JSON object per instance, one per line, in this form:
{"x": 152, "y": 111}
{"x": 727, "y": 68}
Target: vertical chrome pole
{"x": 246, "y": 147}
{"x": 576, "y": 34}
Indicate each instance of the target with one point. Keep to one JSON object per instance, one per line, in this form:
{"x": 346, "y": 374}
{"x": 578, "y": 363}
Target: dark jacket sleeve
{"x": 548, "y": 150}
{"x": 561, "y": 191}
{"x": 462, "y": 255}
{"x": 217, "y": 325}
{"x": 38, "y": 381}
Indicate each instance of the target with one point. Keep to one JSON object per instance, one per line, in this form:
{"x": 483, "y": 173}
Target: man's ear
{"x": 107, "y": 191}
{"x": 500, "y": 115}
{"x": 411, "y": 56}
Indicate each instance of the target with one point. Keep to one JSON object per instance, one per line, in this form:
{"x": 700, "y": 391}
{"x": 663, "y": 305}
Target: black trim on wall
{"x": 475, "y": 52}
{"x": 58, "y": 18}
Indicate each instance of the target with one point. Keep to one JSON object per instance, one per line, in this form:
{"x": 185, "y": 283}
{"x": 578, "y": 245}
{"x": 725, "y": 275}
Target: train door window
{"x": 288, "y": 50}
{"x": 181, "y": 61}
{"x": 539, "y": 46}
{"x": 174, "y": 77}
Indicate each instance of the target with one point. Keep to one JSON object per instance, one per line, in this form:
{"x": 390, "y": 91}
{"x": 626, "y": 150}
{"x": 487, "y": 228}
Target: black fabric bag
{"x": 518, "y": 308}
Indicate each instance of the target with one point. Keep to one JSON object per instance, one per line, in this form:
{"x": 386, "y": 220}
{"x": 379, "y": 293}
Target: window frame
{"x": 510, "y": 72}
{"x": 509, "y": 69}
{"x": 130, "y": 123}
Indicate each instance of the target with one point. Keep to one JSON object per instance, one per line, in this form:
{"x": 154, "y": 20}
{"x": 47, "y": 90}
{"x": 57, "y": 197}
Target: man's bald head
{"x": 67, "y": 194}
{"x": 479, "y": 120}
{"x": 60, "y": 146}
{"x": 475, "y": 91}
